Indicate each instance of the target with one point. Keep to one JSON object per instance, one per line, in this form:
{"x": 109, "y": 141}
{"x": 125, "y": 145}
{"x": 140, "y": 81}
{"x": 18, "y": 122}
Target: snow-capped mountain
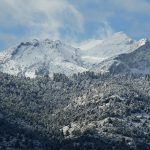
{"x": 137, "y": 61}
{"x": 41, "y": 57}
{"x": 100, "y": 50}
{"x": 117, "y": 53}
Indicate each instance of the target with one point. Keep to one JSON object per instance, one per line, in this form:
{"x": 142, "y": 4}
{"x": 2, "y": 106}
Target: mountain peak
{"x": 35, "y": 42}
{"x": 48, "y": 41}
{"x": 120, "y": 34}
{"x": 53, "y": 56}
{"x": 120, "y": 37}
{"x": 111, "y": 46}
{"x": 33, "y": 56}
{"x": 143, "y": 41}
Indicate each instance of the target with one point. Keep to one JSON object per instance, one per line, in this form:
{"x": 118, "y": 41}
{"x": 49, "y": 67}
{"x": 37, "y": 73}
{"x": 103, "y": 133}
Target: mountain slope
{"x": 137, "y": 61}
{"x": 85, "y": 111}
{"x": 41, "y": 57}
{"x": 111, "y": 46}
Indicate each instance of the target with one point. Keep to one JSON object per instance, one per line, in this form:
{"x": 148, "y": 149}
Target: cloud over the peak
{"x": 72, "y": 20}
{"x": 39, "y": 18}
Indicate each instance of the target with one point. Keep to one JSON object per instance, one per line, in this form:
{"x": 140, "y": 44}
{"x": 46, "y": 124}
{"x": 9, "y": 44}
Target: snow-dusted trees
{"x": 96, "y": 109}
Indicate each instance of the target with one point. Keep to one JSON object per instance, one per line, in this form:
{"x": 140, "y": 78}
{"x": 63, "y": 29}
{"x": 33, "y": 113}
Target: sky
{"x": 72, "y": 21}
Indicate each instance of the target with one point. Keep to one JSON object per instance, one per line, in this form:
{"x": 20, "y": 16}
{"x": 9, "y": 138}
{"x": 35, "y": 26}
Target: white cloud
{"x": 41, "y": 18}
{"x": 105, "y": 30}
{"x": 70, "y": 20}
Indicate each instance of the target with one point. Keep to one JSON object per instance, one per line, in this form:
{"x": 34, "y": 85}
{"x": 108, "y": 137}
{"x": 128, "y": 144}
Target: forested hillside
{"x": 85, "y": 111}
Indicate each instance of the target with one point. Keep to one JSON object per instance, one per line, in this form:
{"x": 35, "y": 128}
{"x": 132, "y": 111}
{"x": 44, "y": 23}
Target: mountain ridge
{"x": 41, "y": 57}
{"x": 136, "y": 61}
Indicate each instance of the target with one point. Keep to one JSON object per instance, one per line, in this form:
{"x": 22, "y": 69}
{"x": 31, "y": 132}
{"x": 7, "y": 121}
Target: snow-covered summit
{"x": 137, "y": 61}
{"x": 40, "y": 57}
{"x": 47, "y": 56}
{"x": 113, "y": 45}
{"x": 143, "y": 42}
